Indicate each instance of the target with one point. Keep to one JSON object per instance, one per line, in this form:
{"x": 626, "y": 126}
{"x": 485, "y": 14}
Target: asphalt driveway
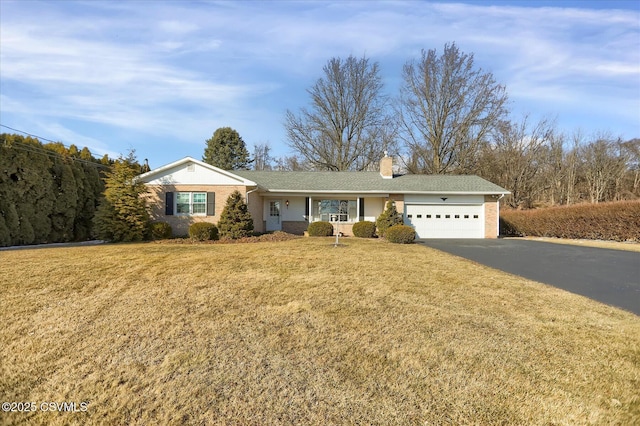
{"x": 608, "y": 276}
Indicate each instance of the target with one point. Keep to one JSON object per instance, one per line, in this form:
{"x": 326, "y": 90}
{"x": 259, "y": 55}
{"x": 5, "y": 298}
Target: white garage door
{"x": 446, "y": 221}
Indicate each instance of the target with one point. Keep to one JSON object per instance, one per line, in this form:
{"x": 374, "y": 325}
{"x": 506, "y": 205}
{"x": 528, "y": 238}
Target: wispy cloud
{"x": 169, "y": 73}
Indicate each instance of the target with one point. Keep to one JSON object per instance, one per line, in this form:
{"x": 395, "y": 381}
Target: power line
{"x": 44, "y": 151}
{"x": 34, "y": 136}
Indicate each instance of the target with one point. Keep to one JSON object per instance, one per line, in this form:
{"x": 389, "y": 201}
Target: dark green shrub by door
{"x": 364, "y": 229}
{"x": 320, "y": 229}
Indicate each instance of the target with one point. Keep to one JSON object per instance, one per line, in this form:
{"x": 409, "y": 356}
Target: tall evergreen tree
{"x": 235, "y": 219}
{"x": 46, "y": 193}
{"x": 122, "y": 214}
{"x": 64, "y": 208}
{"x": 226, "y": 150}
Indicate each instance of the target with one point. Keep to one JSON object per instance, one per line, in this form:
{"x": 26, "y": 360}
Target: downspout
{"x": 498, "y": 215}
{"x": 247, "y": 195}
{"x": 247, "y": 200}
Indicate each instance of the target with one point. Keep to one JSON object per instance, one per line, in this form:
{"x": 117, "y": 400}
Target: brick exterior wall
{"x": 399, "y": 200}
{"x": 179, "y": 223}
{"x": 255, "y": 206}
{"x": 295, "y": 227}
{"x": 490, "y": 217}
{"x": 346, "y": 228}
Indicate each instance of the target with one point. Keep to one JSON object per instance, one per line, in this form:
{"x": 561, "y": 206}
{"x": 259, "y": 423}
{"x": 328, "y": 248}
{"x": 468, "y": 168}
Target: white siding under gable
{"x": 192, "y": 173}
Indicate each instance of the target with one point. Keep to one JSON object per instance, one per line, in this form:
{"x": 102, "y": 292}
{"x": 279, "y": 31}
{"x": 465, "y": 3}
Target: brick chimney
{"x": 386, "y": 166}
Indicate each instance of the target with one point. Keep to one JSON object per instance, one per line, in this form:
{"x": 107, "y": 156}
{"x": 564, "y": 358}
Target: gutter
{"x": 247, "y": 195}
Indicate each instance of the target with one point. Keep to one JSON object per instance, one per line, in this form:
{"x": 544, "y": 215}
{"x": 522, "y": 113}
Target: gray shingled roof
{"x": 368, "y": 182}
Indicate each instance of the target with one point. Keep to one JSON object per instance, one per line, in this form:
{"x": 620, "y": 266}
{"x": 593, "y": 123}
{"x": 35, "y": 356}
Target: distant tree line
{"x": 48, "y": 192}
{"x": 543, "y": 167}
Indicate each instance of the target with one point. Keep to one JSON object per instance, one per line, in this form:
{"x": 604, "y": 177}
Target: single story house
{"x": 437, "y": 206}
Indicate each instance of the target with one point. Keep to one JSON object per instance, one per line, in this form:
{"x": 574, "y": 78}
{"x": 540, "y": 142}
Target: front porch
{"x": 293, "y": 213}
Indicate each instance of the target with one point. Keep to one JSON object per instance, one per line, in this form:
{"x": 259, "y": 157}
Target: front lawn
{"x": 302, "y": 332}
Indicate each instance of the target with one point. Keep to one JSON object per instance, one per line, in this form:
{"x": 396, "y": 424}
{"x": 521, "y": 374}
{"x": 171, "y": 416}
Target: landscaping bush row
{"x": 618, "y": 221}
{"x": 400, "y": 234}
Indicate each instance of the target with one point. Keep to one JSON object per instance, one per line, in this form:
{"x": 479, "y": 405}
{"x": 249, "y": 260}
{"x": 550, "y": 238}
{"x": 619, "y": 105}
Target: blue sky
{"x": 161, "y": 76}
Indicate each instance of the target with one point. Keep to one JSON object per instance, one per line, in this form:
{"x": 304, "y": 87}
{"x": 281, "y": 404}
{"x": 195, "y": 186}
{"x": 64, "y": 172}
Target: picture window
{"x": 336, "y": 210}
{"x": 191, "y": 203}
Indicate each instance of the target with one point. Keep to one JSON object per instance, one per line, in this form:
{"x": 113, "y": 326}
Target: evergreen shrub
{"x": 161, "y": 231}
{"x": 364, "y": 229}
{"x": 235, "y": 220}
{"x": 400, "y": 234}
{"x": 320, "y": 229}
{"x": 122, "y": 214}
{"x": 203, "y": 231}
{"x": 388, "y": 218}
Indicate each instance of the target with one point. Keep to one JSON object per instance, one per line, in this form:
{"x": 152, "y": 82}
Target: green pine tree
{"x": 226, "y": 150}
{"x": 388, "y": 218}
{"x": 122, "y": 214}
{"x": 235, "y": 219}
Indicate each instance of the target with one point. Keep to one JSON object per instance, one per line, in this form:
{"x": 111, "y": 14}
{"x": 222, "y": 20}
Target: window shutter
{"x": 211, "y": 203}
{"x": 306, "y": 207}
{"x": 361, "y": 208}
{"x": 168, "y": 204}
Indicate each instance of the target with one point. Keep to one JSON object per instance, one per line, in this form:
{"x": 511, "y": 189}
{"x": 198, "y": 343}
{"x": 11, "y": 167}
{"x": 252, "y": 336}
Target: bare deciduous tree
{"x": 291, "y": 164}
{"x": 603, "y": 166}
{"x": 446, "y": 110}
{"x": 261, "y": 156}
{"x": 632, "y": 153}
{"x": 347, "y": 126}
{"x": 517, "y": 157}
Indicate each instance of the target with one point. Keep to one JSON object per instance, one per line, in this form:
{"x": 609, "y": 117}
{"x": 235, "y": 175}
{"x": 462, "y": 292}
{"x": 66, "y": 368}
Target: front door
{"x": 273, "y": 219}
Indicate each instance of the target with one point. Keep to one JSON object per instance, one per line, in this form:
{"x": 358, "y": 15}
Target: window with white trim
{"x": 336, "y": 210}
{"x": 193, "y": 203}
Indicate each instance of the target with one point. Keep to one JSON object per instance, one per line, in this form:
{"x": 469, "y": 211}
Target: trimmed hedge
{"x": 161, "y": 231}
{"x": 320, "y": 229}
{"x": 617, "y": 221}
{"x": 364, "y": 229}
{"x": 400, "y": 234}
{"x": 203, "y": 231}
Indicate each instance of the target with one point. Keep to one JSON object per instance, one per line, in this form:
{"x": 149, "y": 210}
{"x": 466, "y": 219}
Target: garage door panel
{"x": 446, "y": 221}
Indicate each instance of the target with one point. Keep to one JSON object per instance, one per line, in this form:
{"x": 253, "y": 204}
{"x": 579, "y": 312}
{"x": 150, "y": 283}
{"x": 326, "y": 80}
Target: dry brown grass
{"x": 613, "y": 245}
{"x": 301, "y": 332}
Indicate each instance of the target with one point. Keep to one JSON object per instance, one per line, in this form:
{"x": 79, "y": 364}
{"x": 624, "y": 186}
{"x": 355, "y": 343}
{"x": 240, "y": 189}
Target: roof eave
{"x": 143, "y": 177}
{"x": 378, "y": 192}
